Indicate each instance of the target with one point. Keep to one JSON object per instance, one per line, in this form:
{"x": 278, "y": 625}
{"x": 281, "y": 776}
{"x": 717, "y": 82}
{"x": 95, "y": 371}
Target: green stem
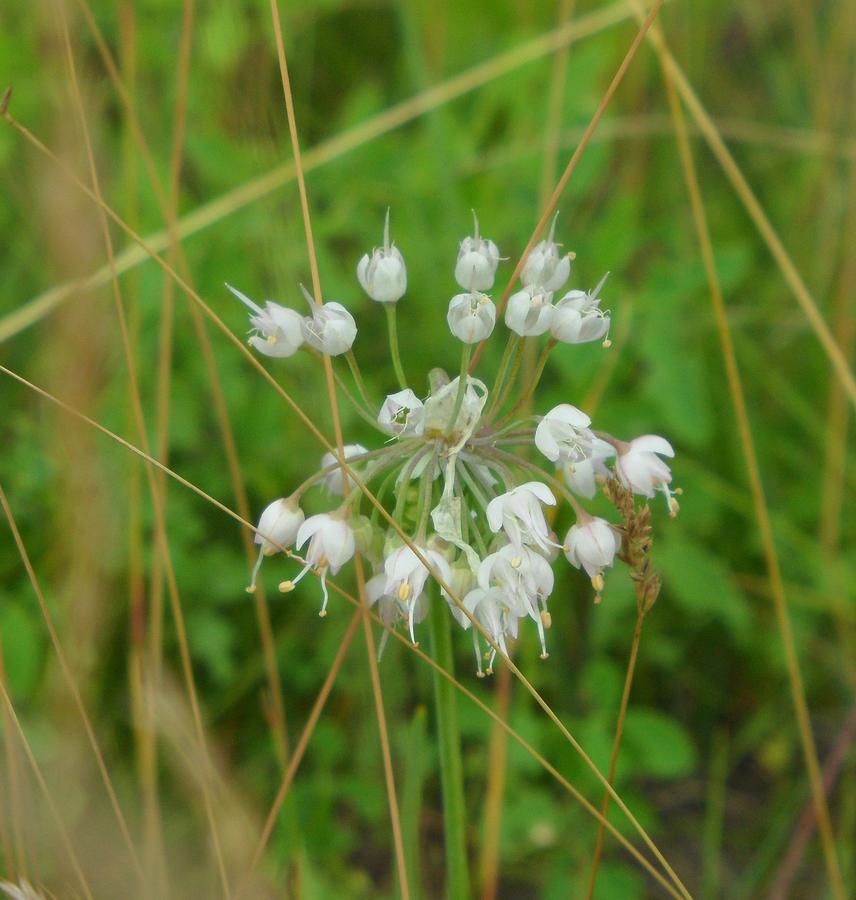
{"x": 393, "y": 344}
{"x": 361, "y": 411}
{"x": 358, "y": 378}
{"x": 539, "y": 371}
{"x": 502, "y": 396}
{"x": 451, "y": 767}
{"x": 462, "y": 386}
{"x": 510, "y": 346}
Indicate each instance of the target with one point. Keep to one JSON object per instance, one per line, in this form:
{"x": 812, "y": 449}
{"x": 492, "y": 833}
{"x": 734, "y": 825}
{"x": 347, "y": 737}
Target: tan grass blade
{"x": 756, "y": 484}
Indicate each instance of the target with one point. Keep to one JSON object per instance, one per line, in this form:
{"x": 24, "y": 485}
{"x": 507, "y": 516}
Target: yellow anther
{"x": 271, "y": 338}
{"x": 544, "y": 655}
{"x": 516, "y": 562}
{"x": 606, "y": 344}
{"x": 597, "y": 582}
{"x": 250, "y": 589}
{"x": 546, "y": 619}
{"x": 286, "y": 586}
{"x": 404, "y": 591}
{"x": 322, "y": 614}
{"x": 597, "y": 599}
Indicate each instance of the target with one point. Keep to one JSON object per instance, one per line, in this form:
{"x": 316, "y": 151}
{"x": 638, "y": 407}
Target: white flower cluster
{"x": 454, "y": 461}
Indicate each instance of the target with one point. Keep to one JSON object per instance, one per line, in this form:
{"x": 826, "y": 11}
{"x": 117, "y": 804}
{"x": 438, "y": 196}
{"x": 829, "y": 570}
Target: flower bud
{"x": 383, "y": 275}
{"x": 546, "y": 267}
{"x": 591, "y": 545}
{"x": 334, "y": 481}
{"x": 279, "y": 330}
{"x": 330, "y": 328}
{"x": 478, "y": 259}
{"x": 578, "y": 319}
{"x": 471, "y": 317}
{"x": 529, "y": 312}
{"x": 278, "y": 525}
{"x": 402, "y": 414}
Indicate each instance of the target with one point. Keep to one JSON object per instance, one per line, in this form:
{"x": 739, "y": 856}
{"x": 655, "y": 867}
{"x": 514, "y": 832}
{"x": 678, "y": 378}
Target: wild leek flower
{"x": 466, "y": 501}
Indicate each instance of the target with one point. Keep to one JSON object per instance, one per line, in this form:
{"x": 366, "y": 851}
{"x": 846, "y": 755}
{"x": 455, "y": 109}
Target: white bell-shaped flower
{"x": 564, "y": 434}
{"x": 329, "y": 327}
{"x": 277, "y": 529}
{"x": 591, "y": 545}
{"x": 546, "y": 267}
{"x": 279, "y": 329}
{"x": 529, "y": 312}
{"x": 526, "y": 574}
{"x": 406, "y": 575}
{"x": 471, "y": 317}
{"x": 518, "y": 512}
{"x": 390, "y": 609}
{"x": 581, "y": 475}
{"x": 578, "y": 318}
{"x": 478, "y": 259}
{"x": 402, "y": 414}
{"x": 331, "y": 545}
{"x": 383, "y": 275}
{"x": 498, "y": 612}
{"x": 334, "y": 481}
{"x": 640, "y": 468}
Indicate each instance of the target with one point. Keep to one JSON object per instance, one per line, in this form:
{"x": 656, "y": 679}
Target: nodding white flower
{"x": 402, "y": 414}
{"x": 331, "y": 545}
{"x": 406, "y": 575}
{"x": 390, "y": 609}
{"x": 277, "y": 529}
{"x": 525, "y": 574}
{"x": 564, "y": 434}
{"x": 334, "y": 481}
{"x": 640, "y": 468}
{"x": 529, "y": 312}
{"x": 478, "y": 259}
{"x": 471, "y": 317}
{"x": 591, "y": 544}
{"x": 578, "y": 318}
{"x": 546, "y": 267}
{"x": 519, "y": 513}
{"x": 581, "y": 476}
{"x": 329, "y": 328}
{"x": 498, "y": 612}
{"x": 383, "y": 275}
{"x": 280, "y": 329}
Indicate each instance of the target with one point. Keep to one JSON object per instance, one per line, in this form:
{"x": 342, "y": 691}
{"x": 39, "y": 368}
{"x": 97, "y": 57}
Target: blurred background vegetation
{"x": 711, "y": 760}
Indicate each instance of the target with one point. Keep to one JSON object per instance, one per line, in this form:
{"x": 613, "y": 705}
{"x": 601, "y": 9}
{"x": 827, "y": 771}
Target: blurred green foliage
{"x": 710, "y": 666}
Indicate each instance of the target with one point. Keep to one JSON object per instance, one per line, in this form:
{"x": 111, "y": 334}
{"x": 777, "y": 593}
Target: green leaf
{"x": 656, "y": 745}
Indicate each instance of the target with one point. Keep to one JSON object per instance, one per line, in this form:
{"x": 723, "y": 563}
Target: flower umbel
{"x": 463, "y": 502}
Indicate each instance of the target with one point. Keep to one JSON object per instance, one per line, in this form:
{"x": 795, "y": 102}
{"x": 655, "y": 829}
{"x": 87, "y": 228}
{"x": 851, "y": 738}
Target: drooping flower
{"x": 529, "y": 312}
{"x": 334, "y": 481}
{"x": 526, "y": 574}
{"x": 390, "y": 609}
{"x": 545, "y": 267}
{"x": 331, "y": 545}
{"x": 402, "y": 414}
{"x": 640, "y": 468}
{"x": 578, "y": 318}
{"x": 406, "y": 575}
{"x": 591, "y": 544}
{"x": 383, "y": 275}
{"x": 279, "y": 330}
{"x": 478, "y": 259}
{"x": 519, "y": 513}
{"x": 277, "y": 529}
{"x": 581, "y": 476}
{"x": 564, "y": 434}
{"x": 471, "y": 317}
{"x": 329, "y": 328}
{"x": 498, "y": 612}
